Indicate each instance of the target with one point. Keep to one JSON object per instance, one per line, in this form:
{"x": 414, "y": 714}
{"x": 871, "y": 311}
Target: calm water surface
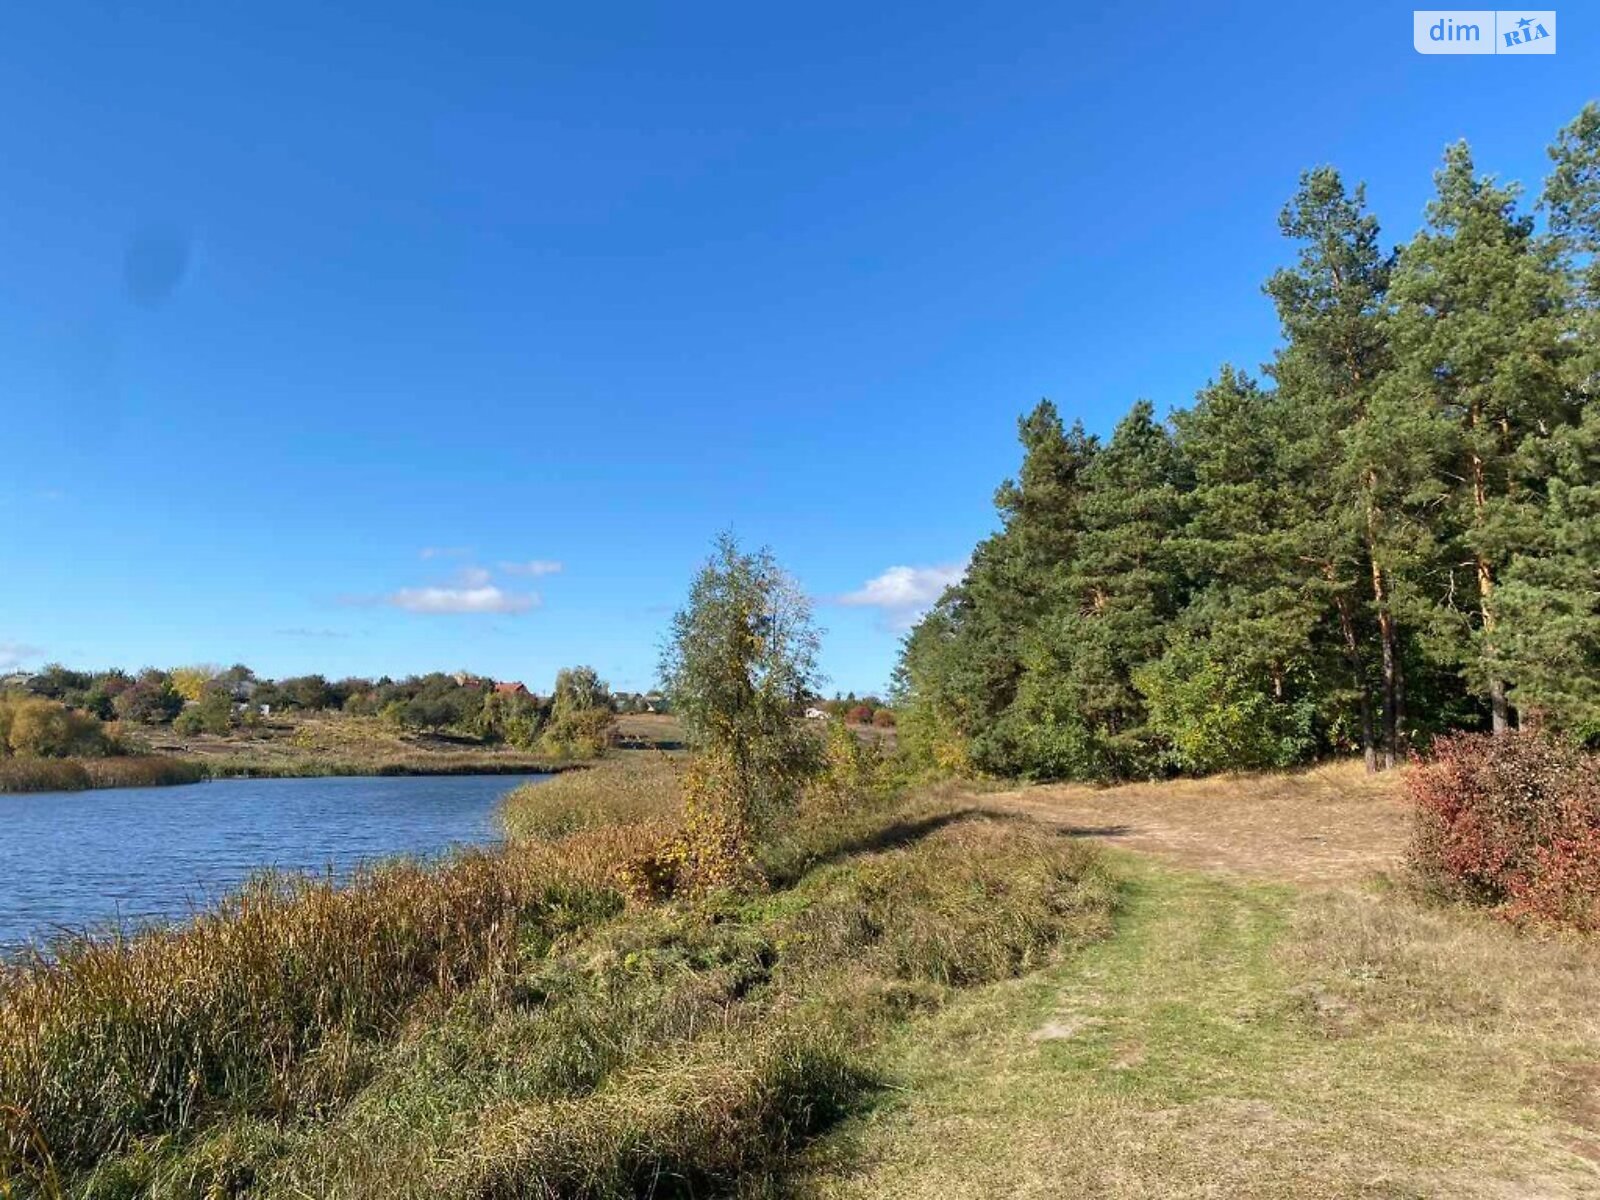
{"x": 76, "y": 859}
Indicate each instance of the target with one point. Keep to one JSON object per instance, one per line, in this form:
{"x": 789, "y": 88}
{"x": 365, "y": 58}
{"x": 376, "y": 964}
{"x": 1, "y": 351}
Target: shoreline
{"x": 135, "y": 771}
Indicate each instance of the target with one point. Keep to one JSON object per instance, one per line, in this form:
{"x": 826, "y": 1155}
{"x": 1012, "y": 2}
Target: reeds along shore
{"x": 507, "y": 1023}
{"x": 156, "y": 770}
{"x": 79, "y": 774}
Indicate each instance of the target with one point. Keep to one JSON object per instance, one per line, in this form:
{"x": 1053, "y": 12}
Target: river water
{"x": 75, "y": 860}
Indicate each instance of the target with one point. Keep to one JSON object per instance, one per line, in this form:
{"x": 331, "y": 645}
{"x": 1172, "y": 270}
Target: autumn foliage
{"x": 1511, "y": 822}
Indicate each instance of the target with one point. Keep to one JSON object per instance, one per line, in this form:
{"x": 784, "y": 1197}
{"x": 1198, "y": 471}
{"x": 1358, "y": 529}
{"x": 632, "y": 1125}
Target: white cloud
{"x": 484, "y": 599}
{"x": 443, "y": 552}
{"x": 535, "y": 567}
{"x": 472, "y": 577}
{"x": 14, "y": 654}
{"x": 902, "y": 594}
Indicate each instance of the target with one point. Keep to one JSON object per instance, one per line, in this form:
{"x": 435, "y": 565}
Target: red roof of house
{"x": 511, "y": 689}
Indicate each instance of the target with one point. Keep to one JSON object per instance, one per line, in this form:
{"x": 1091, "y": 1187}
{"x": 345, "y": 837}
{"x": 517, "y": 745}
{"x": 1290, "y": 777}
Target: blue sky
{"x": 316, "y": 317}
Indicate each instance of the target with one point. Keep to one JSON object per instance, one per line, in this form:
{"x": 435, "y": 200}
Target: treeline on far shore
{"x": 62, "y": 729}
{"x": 207, "y": 699}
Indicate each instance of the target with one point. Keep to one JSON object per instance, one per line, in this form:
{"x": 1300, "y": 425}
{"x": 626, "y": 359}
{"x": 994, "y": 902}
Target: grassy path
{"x": 1240, "y": 1039}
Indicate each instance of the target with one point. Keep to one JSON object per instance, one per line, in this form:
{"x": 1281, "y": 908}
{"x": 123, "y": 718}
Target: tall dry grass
{"x": 635, "y": 788}
{"x": 143, "y": 770}
{"x": 30, "y": 774}
{"x": 687, "y": 1124}
{"x": 78, "y": 774}
{"x": 111, "y": 1039}
{"x": 966, "y": 900}
{"x": 318, "y": 765}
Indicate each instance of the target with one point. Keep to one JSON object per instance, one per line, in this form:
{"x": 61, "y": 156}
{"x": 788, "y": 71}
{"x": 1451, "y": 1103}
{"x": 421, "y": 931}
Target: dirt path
{"x": 1238, "y": 1038}
{"x": 1331, "y": 825}
{"x": 1250, "y": 1042}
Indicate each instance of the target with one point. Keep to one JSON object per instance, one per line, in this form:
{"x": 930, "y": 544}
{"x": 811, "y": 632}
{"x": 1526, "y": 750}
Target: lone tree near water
{"x": 741, "y": 657}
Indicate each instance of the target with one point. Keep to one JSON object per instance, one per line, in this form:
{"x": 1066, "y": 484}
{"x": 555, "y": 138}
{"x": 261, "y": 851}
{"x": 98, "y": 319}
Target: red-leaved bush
{"x": 1512, "y": 822}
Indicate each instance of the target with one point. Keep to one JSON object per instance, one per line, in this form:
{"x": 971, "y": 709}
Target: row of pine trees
{"x": 1394, "y": 532}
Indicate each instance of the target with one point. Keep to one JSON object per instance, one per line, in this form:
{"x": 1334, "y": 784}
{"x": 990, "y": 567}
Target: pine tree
{"x": 1402, "y": 536}
{"x": 1552, "y": 591}
{"x": 1123, "y": 587}
{"x": 1259, "y": 607}
{"x": 963, "y": 675}
{"x": 1331, "y": 305}
{"x": 1572, "y": 201}
{"x": 1476, "y": 331}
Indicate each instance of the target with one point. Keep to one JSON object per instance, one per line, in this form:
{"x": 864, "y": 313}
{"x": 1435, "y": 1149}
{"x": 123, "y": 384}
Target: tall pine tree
{"x": 1113, "y": 602}
{"x": 1552, "y": 592}
{"x": 1477, "y": 336}
{"x": 1331, "y": 306}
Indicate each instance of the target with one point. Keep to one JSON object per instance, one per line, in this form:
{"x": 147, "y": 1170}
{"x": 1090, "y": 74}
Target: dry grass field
{"x": 1331, "y": 824}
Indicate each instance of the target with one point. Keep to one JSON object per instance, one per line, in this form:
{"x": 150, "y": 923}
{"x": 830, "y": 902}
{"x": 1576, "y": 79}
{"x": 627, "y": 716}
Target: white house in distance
{"x": 816, "y": 714}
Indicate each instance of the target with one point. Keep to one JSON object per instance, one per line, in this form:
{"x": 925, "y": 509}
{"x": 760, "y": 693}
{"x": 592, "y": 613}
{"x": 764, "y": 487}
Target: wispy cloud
{"x": 430, "y": 552}
{"x": 14, "y": 654}
{"x": 903, "y": 594}
{"x": 472, "y": 577}
{"x": 534, "y": 567}
{"x": 484, "y": 599}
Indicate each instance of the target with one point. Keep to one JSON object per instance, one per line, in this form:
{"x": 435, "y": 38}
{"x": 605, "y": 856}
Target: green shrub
{"x": 1213, "y": 719}
{"x": 211, "y": 713}
{"x": 513, "y": 718}
{"x": 849, "y": 773}
{"x": 152, "y": 700}
{"x": 581, "y": 723}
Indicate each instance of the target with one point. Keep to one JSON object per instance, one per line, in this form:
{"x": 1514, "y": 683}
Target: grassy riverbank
{"x": 157, "y": 770}
{"x": 508, "y": 1025}
{"x": 339, "y": 744}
